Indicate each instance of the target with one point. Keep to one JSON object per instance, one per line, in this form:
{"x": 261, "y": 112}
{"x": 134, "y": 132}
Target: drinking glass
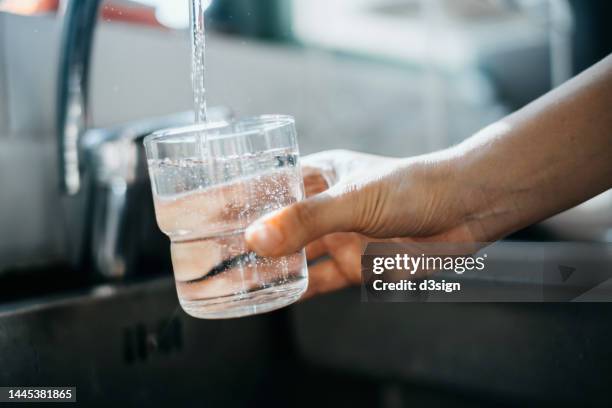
{"x": 210, "y": 182}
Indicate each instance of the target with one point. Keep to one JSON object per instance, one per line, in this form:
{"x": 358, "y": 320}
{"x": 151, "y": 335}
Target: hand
{"x": 548, "y": 157}
{"x": 353, "y": 198}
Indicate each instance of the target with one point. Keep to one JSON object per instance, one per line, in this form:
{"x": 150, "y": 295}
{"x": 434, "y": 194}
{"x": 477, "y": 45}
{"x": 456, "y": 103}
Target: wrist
{"x": 489, "y": 207}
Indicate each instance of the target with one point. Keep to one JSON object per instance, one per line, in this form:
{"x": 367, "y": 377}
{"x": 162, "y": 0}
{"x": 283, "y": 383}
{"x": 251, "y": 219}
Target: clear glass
{"x": 210, "y": 182}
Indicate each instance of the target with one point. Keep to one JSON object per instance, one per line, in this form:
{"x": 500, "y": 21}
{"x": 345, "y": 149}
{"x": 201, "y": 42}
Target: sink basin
{"x": 547, "y": 352}
{"x": 133, "y": 344}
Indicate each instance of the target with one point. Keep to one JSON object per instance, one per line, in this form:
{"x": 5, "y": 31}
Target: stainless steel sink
{"x": 132, "y": 344}
{"x": 541, "y": 353}
{"x": 557, "y": 353}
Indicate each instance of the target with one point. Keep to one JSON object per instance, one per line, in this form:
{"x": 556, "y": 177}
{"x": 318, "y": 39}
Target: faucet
{"x": 113, "y": 166}
{"x": 73, "y": 85}
{"x": 106, "y": 169}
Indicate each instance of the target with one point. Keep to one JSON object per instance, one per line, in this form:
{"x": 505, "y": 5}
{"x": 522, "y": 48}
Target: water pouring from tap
{"x": 198, "y": 63}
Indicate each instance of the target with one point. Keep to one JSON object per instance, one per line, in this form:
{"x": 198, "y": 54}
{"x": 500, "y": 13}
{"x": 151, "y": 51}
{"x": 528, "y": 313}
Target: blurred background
{"x": 86, "y": 295}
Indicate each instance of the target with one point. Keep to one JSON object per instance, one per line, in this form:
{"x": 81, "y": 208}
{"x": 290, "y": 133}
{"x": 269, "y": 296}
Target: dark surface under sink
{"x": 557, "y": 353}
{"x": 131, "y": 343}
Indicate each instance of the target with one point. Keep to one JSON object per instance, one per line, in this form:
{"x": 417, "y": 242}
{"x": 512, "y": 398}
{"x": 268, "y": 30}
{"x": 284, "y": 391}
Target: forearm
{"x": 547, "y": 157}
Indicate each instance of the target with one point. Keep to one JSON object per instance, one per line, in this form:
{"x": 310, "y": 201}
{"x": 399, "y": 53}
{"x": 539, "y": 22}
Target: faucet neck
{"x": 73, "y": 87}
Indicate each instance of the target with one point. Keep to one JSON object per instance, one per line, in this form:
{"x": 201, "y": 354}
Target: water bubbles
{"x": 253, "y": 180}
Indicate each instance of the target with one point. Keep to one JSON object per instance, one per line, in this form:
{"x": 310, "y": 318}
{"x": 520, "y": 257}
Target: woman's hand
{"x": 354, "y": 197}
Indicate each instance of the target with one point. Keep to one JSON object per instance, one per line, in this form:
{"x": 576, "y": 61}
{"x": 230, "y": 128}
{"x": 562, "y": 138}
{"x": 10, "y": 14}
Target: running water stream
{"x": 198, "y": 57}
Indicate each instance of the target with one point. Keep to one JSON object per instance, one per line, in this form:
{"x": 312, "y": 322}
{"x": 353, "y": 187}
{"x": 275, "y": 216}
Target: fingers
{"x": 319, "y": 172}
{"x": 314, "y": 181}
{"x": 344, "y": 269}
{"x": 334, "y": 245}
{"x": 316, "y": 250}
{"x": 325, "y": 277}
{"x": 290, "y": 229}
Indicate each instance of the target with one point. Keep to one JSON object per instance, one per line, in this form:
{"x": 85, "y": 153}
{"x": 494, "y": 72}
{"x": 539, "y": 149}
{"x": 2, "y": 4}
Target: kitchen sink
{"x": 131, "y": 343}
{"x": 552, "y": 352}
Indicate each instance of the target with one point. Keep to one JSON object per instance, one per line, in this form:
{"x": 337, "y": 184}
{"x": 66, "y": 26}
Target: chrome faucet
{"x": 73, "y": 85}
{"x": 105, "y": 169}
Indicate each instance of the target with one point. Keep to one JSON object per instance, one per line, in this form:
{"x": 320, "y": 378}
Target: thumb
{"x": 288, "y": 230}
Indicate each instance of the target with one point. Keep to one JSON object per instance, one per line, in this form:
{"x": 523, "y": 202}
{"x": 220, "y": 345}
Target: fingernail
{"x": 264, "y": 238}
